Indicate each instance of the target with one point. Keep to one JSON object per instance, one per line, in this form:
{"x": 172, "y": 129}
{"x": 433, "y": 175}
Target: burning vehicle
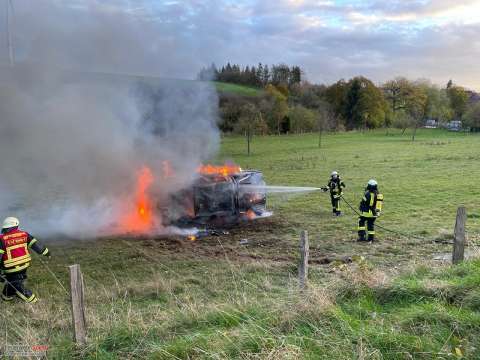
{"x": 221, "y": 195}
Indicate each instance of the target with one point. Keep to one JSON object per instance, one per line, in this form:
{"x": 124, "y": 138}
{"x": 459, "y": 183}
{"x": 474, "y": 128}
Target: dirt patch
{"x": 273, "y": 240}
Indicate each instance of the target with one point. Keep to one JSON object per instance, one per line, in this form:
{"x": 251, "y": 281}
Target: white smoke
{"x": 72, "y": 141}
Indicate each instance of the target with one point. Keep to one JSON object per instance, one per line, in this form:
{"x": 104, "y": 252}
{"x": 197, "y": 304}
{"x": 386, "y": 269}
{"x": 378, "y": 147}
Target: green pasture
{"x": 235, "y": 89}
{"x": 170, "y": 298}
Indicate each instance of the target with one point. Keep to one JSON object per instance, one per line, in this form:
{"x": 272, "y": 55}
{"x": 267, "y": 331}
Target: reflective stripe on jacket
{"x": 371, "y": 204}
{"x": 14, "y": 250}
{"x": 336, "y": 186}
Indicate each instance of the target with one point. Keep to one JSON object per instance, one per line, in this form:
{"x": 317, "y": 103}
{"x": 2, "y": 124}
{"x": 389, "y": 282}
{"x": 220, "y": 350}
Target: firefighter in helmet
{"x": 336, "y": 186}
{"x": 370, "y": 209}
{"x": 15, "y": 259}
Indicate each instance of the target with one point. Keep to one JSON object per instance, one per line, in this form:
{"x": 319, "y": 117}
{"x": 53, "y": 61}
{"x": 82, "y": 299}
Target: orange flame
{"x": 219, "y": 170}
{"x": 251, "y": 214}
{"x": 140, "y": 218}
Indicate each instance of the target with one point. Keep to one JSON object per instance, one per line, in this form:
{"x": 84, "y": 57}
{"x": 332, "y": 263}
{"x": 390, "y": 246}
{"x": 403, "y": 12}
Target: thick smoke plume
{"x": 73, "y": 136}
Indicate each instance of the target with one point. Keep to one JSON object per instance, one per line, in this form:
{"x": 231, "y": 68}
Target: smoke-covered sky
{"x": 330, "y": 39}
{"x": 73, "y": 137}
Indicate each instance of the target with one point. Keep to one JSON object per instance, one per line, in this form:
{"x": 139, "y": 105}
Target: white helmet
{"x": 334, "y": 174}
{"x": 10, "y": 222}
{"x": 372, "y": 182}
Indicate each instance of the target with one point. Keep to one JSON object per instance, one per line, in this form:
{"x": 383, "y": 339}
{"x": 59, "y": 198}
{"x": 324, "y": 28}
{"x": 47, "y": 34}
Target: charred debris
{"x": 219, "y": 198}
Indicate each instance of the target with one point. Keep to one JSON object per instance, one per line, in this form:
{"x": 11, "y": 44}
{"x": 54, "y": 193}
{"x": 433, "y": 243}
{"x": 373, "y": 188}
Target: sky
{"x": 329, "y": 39}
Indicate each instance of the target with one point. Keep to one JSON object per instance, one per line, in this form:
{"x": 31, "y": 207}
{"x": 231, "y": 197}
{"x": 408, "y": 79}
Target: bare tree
{"x": 250, "y": 122}
{"x": 325, "y": 120}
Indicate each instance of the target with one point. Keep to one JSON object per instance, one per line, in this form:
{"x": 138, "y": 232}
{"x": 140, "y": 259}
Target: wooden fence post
{"x": 459, "y": 236}
{"x": 78, "y": 306}
{"x": 303, "y": 266}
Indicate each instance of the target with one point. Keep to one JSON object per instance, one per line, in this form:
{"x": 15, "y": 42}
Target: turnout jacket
{"x": 336, "y": 187}
{"x": 14, "y": 250}
{"x": 371, "y": 204}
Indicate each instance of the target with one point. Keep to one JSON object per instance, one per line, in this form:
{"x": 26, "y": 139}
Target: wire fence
{"x": 159, "y": 265}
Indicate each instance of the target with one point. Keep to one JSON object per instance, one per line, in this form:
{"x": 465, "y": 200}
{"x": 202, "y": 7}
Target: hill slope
{"x": 235, "y": 89}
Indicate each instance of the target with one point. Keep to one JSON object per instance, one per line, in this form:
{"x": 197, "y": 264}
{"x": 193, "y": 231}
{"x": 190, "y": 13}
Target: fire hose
{"x": 54, "y": 276}
{"x": 408, "y": 235}
{"x": 4, "y": 279}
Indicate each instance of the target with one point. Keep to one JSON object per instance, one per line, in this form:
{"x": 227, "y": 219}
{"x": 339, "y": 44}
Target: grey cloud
{"x": 195, "y": 33}
{"x": 417, "y": 7}
{"x": 331, "y": 52}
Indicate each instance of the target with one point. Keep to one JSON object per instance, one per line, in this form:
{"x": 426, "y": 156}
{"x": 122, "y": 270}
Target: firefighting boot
{"x": 32, "y": 299}
{"x": 5, "y": 293}
{"x": 7, "y": 298}
{"x": 361, "y": 235}
{"x": 22, "y": 292}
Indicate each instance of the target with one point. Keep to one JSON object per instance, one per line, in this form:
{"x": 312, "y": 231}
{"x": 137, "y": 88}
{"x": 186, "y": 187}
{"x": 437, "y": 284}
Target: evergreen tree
{"x": 295, "y": 75}
{"x": 252, "y": 79}
{"x": 246, "y": 76}
{"x": 259, "y": 75}
{"x": 266, "y": 76}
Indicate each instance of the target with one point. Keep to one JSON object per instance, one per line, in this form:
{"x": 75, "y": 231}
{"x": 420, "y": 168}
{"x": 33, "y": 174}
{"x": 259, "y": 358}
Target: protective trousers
{"x": 335, "y": 199}
{"x": 370, "y": 228}
{"x": 14, "y": 287}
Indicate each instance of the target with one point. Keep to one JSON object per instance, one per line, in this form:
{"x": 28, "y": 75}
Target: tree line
{"x": 347, "y": 105}
{"x": 256, "y": 76}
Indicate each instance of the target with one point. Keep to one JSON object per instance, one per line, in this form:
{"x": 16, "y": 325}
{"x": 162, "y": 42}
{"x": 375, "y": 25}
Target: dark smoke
{"x": 74, "y": 131}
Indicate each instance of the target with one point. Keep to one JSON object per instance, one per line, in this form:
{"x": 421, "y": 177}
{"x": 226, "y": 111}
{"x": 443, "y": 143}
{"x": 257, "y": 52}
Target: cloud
{"x": 329, "y": 39}
{"x": 417, "y": 8}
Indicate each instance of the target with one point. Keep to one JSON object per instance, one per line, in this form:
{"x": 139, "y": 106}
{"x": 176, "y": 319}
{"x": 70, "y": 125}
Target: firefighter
{"x": 336, "y": 186}
{"x": 370, "y": 209}
{"x": 15, "y": 259}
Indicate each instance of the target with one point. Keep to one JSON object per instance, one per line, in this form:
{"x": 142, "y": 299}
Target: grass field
{"x": 236, "y": 89}
{"x": 168, "y": 298}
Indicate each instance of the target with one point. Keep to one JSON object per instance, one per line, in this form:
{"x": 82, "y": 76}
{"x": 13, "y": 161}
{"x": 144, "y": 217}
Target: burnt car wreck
{"x": 218, "y": 199}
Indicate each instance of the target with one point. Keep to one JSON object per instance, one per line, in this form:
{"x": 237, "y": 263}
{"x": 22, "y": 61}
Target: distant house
{"x": 431, "y": 124}
{"x": 455, "y": 125}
